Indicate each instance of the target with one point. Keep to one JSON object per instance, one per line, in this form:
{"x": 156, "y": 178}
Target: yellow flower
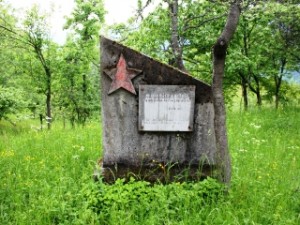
{"x": 7, "y": 153}
{"x": 28, "y": 158}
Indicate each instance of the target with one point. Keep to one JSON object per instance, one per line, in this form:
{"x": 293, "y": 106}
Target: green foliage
{"x": 267, "y": 40}
{"x": 11, "y": 101}
{"x": 46, "y": 178}
{"x": 199, "y": 25}
{"x": 65, "y": 79}
{"x": 78, "y": 85}
{"x": 86, "y": 18}
{"x": 263, "y": 53}
{"x": 142, "y": 200}
{"x": 79, "y": 82}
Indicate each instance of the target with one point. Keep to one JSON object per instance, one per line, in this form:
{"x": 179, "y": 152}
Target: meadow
{"x": 46, "y": 178}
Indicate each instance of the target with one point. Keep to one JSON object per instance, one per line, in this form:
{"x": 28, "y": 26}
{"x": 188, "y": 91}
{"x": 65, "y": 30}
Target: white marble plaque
{"x": 166, "y": 107}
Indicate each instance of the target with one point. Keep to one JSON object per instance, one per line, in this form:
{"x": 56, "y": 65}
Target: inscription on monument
{"x": 166, "y": 107}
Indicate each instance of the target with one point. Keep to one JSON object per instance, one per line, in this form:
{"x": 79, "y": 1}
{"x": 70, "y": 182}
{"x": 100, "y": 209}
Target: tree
{"x": 175, "y": 36}
{"x": 219, "y": 56}
{"x": 12, "y": 95}
{"x": 33, "y": 37}
{"x": 192, "y": 33}
{"x": 246, "y": 58}
{"x": 7, "y": 21}
{"x": 36, "y": 35}
{"x": 285, "y": 33}
{"x": 78, "y": 98}
{"x": 81, "y": 56}
{"x": 11, "y": 101}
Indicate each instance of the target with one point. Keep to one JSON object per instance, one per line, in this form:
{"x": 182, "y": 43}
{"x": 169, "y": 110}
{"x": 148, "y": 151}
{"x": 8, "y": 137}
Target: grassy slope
{"x": 46, "y": 179}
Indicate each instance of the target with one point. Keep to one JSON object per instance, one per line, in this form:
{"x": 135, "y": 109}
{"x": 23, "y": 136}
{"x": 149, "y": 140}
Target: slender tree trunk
{"x": 48, "y": 98}
{"x": 245, "y": 96}
{"x": 258, "y": 97}
{"x": 85, "y": 107}
{"x": 48, "y": 73}
{"x": 244, "y": 85}
{"x": 278, "y": 81}
{"x": 257, "y": 91}
{"x": 84, "y": 84}
{"x": 277, "y": 90}
{"x": 41, "y": 121}
{"x": 219, "y": 55}
{"x": 175, "y": 43}
{"x": 48, "y": 109}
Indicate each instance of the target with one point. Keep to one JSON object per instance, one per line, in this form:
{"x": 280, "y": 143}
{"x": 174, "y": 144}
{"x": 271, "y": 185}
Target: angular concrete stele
{"x": 150, "y": 155}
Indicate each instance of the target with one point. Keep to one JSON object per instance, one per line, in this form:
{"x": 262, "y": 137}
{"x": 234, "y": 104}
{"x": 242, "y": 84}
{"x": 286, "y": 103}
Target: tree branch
{"x": 186, "y": 28}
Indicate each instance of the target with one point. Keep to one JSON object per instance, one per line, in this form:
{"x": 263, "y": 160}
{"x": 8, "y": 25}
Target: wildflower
{"x": 6, "y": 154}
{"x": 75, "y": 157}
{"x": 255, "y": 126}
{"x": 246, "y": 132}
{"x": 28, "y": 158}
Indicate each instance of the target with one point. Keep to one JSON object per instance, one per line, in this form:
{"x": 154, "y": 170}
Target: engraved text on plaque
{"x": 166, "y": 107}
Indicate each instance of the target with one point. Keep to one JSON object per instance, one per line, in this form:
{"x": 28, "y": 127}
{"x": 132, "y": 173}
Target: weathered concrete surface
{"x": 127, "y": 150}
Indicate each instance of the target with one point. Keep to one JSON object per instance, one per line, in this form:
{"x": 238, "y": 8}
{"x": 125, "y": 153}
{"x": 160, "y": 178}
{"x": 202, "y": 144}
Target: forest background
{"x": 43, "y": 79}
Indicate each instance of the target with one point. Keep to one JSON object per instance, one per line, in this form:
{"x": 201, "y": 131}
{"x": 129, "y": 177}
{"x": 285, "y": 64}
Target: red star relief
{"x": 121, "y": 76}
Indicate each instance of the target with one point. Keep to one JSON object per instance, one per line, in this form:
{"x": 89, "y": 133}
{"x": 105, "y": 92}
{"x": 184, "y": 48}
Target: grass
{"x": 46, "y": 178}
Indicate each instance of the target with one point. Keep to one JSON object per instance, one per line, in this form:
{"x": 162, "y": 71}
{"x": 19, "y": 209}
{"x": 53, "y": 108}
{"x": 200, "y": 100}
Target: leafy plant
{"x": 11, "y": 101}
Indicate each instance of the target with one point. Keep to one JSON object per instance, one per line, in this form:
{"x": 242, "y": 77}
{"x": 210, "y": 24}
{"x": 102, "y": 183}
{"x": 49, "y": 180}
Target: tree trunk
{"x": 244, "y": 85}
{"x": 278, "y": 80}
{"x": 48, "y": 73}
{"x": 277, "y": 90}
{"x": 257, "y": 92}
{"x": 175, "y": 43}
{"x": 219, "y": 55}
{"x": 256, "y": 89}
{"x": 258, "y": 97}
{"x": 85, "y": 105}
{"x": 48, "y": 109}
{"x": 48, "y": 98}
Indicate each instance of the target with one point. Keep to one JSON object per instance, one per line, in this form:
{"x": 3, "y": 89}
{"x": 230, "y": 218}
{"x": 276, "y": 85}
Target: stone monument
{"x": 157, "y": 120}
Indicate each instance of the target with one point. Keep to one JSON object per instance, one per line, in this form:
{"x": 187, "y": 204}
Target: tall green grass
{"x": 40, "y": 171}
{"x": 45, "y": 178}
{"x": 265, "y": 149}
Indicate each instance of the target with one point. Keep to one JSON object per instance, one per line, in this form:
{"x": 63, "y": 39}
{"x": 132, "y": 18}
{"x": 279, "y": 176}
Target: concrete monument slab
{"x": 134, "y": 140}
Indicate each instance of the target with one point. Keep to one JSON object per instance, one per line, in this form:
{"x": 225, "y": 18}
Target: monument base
{"x": 156, "y": 172}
